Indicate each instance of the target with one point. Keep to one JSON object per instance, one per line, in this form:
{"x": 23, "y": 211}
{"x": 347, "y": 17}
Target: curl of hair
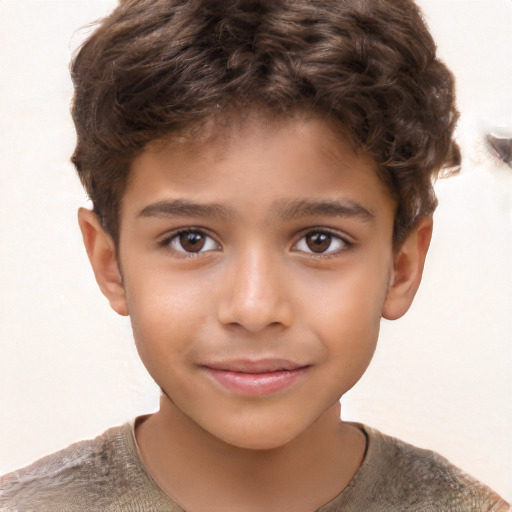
{"x": 157, "y": 67}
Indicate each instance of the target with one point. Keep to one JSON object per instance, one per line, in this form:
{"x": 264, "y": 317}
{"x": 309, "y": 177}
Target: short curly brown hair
{"x": 154, "y": 68}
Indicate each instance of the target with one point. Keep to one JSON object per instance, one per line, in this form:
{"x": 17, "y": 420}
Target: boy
{"x": 261, "y": 180}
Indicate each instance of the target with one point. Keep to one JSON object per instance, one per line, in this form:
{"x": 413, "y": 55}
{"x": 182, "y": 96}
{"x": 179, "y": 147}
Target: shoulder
{"x": 97, "y": 474}
{"x": 397, "y": 473}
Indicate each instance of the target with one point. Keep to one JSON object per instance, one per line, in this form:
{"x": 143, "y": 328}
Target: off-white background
{"x": 441, "y": 377}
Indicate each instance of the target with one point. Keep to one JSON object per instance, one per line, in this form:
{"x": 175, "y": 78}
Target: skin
{"x": 294, "y": 262}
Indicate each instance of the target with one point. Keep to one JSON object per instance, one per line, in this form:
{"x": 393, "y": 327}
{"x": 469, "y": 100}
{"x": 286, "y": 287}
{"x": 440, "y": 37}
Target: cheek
{"x": 163, "y": 317}
{"x": 159, "y": 298}
{"x": 351, "y": 298}
{"x": 346, "y": 315}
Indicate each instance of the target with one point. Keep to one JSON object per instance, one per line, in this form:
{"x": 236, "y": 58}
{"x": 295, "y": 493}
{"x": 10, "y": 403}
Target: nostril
{"x": 501, "y": 147}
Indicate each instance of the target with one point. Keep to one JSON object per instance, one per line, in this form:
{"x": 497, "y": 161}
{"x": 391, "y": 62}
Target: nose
{"x": 255, "y": 293}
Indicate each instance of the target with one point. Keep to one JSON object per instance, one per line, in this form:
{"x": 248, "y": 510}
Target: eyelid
{"x": 165, "y": 240}
{"x": 347, "y": 242}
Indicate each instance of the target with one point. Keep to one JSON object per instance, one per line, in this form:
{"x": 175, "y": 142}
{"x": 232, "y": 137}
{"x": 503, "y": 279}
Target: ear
{"x": 408, "y": 263}
{"x": 102, "y": 254}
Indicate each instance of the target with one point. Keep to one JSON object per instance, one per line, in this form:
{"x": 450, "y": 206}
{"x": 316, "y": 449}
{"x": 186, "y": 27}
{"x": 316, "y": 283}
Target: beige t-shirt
{"x": 106, "y": 474}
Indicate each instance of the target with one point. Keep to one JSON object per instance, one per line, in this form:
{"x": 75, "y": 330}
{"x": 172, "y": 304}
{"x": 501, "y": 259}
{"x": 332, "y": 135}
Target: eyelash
{"x": 173, "y": 237}
{"x": 344, "y": 244}
{"x": 169, "y": 240}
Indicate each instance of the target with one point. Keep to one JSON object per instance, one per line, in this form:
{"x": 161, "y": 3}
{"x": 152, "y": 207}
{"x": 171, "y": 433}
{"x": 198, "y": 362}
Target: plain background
{"x": 441, "y": 377}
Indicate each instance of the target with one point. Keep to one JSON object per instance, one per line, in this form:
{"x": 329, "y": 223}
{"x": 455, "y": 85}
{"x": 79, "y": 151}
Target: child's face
{"x": 255, "y": 268}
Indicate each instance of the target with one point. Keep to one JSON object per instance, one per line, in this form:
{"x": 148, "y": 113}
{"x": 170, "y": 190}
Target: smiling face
{"x": 255, "y": 269}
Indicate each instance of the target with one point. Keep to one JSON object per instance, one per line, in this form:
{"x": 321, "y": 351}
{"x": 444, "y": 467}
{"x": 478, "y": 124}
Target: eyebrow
{"x": 284, "y": 210}
{"x": 184, "y": 208}
{"x": 331, "y": 208}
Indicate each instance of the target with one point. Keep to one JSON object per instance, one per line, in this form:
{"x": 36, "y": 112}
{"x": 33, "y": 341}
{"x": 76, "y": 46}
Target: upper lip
{"x": 266, "y": 365}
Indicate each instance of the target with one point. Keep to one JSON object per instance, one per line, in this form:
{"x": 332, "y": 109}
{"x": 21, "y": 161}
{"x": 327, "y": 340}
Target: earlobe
{"x": 102, "y": 254}
{"x": 408, "y": 263}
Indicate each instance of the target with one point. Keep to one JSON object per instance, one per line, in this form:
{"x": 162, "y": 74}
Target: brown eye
{"x": 318, "y": 242}
{"x": 192, "y": 241}
{"x": 322, "y": 243}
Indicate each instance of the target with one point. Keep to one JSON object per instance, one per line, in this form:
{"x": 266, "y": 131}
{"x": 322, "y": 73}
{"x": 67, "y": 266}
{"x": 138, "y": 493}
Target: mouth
{"x": 256, "y": 377}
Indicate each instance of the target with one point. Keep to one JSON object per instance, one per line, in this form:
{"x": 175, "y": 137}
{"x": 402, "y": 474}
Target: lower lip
{"x": 257, "y": 383}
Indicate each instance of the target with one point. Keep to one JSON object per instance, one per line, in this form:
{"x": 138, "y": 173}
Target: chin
{"x": 258, "y": 440}
{"x": 252, "y": 434}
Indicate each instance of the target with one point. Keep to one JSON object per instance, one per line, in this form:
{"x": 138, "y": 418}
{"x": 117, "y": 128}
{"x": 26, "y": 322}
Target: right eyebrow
{"x": 184, "y": 208}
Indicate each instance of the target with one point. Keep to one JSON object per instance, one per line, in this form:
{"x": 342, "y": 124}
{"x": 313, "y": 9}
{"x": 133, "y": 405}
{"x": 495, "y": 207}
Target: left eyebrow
{"x": 331, "y": 208}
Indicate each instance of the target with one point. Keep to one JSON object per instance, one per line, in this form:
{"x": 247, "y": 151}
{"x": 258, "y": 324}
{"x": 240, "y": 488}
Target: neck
{"x": 301, "y": 475}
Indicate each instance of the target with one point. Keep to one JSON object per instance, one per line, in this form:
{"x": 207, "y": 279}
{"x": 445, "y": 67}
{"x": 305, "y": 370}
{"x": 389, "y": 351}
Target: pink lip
{"x": 256, "y": 377}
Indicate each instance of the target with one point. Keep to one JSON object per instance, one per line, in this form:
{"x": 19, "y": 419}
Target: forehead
{"x": 256, "y": 162}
